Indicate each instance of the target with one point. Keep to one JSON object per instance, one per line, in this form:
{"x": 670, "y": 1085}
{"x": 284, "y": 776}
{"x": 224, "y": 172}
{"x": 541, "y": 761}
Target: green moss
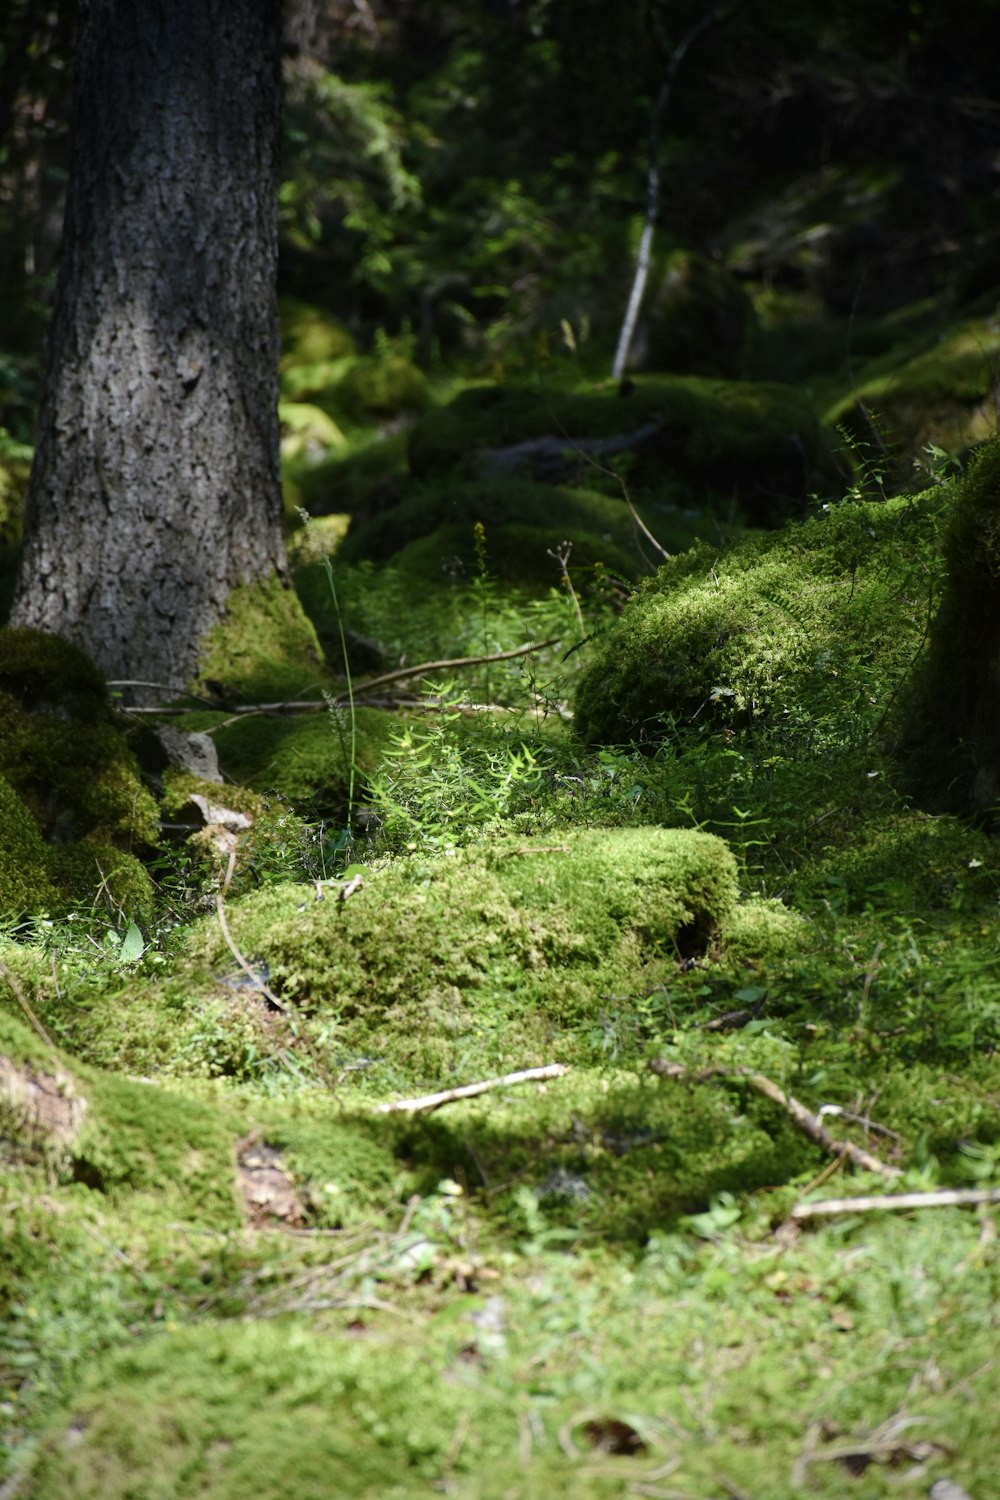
{"x": 65, "y": 757}
{"x": 270, "y": 1411}
{"x": 431, "y": 530}
{"x": 46, "y": 673}
{"x": 180, "y": 786}
{"x": 349, "y": 1169}
{"x": 786, "y": 631}
{"x": 304, "y": 757}
{"x": 381, "y": 386}
{"x": 93, "y": 865}
{"x": 906, "y": 862}
{"x": 25, "y": 882}
{"x": 15, "y": 468}
{"x": 361, "y": 481}
{"x": 939, "y": 390}
{"x": 758, "y": 442}
{"x": 763, "y": 932}
{"x": 174, "y": 1150}
{"x": 265, "y": 648}
{"x": 308, "y": 335}
{"x": 955, "y": 712}
{"x": 489, "y": 948}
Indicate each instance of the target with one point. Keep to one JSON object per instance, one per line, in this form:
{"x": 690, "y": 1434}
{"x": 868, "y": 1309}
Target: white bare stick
{"x": 470, "y": 1090}
{"x": 946, "y": 1198}
{"x": 653, "y": 188}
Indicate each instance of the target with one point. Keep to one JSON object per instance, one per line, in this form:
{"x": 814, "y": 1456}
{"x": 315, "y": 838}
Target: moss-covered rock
{"x": 821, "y": 621}
{"x": 65, "y": 759}
{"x": 305, "y": 758}
{"x": 431, "y": 531}
{"x": 699, "y": 320}
{"x": 758, "y": 442}
{"x": 490, "y": 947}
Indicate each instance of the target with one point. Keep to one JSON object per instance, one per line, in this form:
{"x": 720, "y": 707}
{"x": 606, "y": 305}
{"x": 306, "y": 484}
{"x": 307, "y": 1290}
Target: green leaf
{"x": 132, "y": 946}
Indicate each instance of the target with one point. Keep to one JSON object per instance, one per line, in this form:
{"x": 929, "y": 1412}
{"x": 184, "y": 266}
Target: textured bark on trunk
{"x": 155, "y": 487}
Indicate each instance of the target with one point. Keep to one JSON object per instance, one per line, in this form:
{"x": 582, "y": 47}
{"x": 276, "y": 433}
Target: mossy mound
{"x": 431, "y": 531}
{"x": 489, "y": 948}
{"x": 124, "y": 1138}
{"x": 305, "y": 758}
{"x": 759, "y": 443}
{"x": 908, "y": 861}
{"x": 699, "y": 321}
{"x": 820, "y": 622}
{"x": 66, "y": 766}
{"x": 941, "y": 392}
{"x": 264, "y": 649}
{"x": 381, "y": 386}
{"x": 363, "y": 481}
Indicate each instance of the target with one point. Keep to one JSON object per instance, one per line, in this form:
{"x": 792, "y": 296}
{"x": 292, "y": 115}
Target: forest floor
{"x": 674, "y": 859}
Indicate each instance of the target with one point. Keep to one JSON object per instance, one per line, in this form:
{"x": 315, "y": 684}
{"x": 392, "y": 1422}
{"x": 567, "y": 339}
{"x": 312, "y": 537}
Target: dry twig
{"x": 470, "y": 1090}
{"x": 943, "y": 1198}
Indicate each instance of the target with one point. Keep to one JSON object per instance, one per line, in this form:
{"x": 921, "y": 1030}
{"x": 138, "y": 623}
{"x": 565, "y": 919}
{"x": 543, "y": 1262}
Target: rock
{"x": 189, "y": 752}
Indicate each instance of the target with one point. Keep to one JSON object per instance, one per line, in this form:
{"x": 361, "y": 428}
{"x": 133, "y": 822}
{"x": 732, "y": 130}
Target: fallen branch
{"x": 552, "y": 450}
{"x": 422, "y": 668}
{"x": 802, "y": 1118}
{"x": 470, "y": 1090}
{"x": 945, "y": 1198}
{"x": 320, "y": 705}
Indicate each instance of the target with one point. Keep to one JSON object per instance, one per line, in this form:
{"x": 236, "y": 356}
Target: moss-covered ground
{"x": 679, "y": 846}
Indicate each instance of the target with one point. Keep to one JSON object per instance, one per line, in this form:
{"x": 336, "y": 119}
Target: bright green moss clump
{"x": 785, "y": 632}
{"x": 264, "y": 648}
{"x": 488, "y": 948}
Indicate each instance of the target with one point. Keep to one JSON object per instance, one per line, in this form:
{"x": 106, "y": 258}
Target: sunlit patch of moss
{"x": 15, "y": 467}
{"x": 25, "y": 883}
{"x": 65, "y": 758}
{"x": 782, "y": 631}
{"x": 487, "y": 952}
{"x": 264, "y": 648}
{"x": 941, "y": 392}
{"x": 761, "y": 932}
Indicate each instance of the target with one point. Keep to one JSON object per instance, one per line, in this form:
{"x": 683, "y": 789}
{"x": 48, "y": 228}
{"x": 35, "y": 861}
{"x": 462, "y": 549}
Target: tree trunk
{"x": 155, "y": 487}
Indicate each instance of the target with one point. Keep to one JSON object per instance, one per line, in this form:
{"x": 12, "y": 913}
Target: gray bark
{"x": 155, "y": 487}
